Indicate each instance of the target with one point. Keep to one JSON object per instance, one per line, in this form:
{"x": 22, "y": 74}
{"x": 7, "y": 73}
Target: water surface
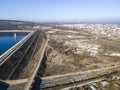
{"x": 7, "y": 40}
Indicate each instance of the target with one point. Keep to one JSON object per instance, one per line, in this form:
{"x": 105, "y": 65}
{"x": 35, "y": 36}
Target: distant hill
{"x": 13, "y": 24}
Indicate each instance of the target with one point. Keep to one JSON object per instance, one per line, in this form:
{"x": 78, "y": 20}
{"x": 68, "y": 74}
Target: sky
{"x": 60, "y": 10}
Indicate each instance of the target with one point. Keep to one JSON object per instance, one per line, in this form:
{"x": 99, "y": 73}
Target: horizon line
{"x": 62, "y": 21}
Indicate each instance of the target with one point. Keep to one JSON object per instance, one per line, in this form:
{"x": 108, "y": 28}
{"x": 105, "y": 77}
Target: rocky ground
{"x": 78, "y": 50}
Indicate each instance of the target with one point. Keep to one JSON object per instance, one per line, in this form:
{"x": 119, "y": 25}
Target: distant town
{"x": 105, "y": 29}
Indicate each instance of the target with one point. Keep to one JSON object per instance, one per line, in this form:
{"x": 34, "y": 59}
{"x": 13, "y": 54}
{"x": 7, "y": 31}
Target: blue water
{"x": 8, "y": 40}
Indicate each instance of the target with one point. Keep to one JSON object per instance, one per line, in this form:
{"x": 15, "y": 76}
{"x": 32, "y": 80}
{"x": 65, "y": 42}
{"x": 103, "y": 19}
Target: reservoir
{"x": 9, "y": 39}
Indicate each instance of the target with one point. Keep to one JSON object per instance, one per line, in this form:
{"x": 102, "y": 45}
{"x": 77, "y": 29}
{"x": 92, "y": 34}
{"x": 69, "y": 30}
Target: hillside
{"x": 13, "y": 24}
